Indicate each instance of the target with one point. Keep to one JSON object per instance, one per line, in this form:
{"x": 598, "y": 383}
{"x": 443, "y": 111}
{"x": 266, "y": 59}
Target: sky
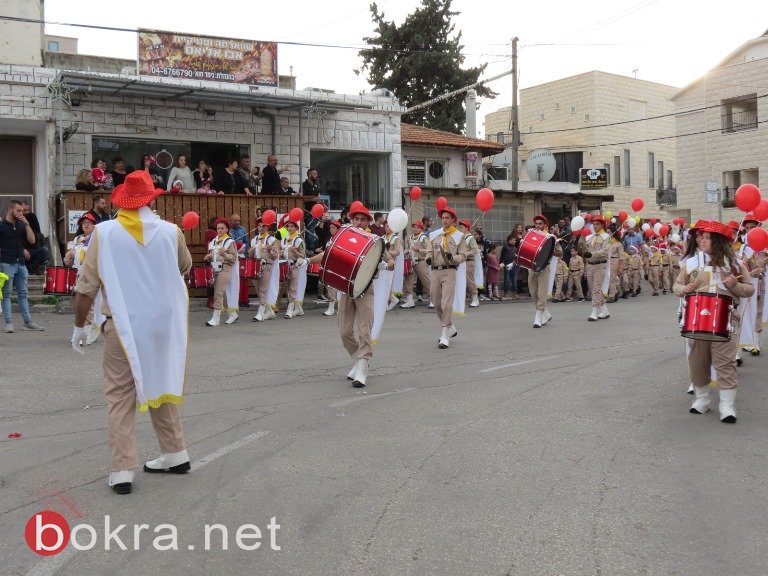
{"x": 671, "y": 42}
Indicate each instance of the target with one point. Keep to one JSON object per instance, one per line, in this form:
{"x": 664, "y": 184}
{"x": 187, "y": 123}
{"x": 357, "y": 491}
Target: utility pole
{"x": 515, "y": 127}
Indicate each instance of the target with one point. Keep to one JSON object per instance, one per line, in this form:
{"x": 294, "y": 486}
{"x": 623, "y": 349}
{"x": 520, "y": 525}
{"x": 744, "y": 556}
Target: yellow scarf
{"x": 221, "y": 237}
{"x": 131, "y": 221}
{"x": 292, "y": 236}
{"x": 447, "y": 232}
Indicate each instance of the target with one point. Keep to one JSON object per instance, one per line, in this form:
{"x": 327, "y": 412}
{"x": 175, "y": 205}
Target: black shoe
{"x": 123, "y": 488}
{"x": 739, "y": 361}
{"x": 655, "y": 293}
{"x": 624, "y": 296}
{"x": 581, "y": 299}
{"x": 179, "y": 469}
{"x": 663, "y": 291}
{"x": 358, "y": 384}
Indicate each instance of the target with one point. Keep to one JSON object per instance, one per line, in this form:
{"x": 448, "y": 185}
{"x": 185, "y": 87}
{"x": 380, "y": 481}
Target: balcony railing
{"x": 666, "y": 196}
{"x": 738, "y": 121}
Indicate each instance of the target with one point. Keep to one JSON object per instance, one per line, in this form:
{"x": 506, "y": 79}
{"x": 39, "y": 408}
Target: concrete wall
{"x": 21, "y": 43}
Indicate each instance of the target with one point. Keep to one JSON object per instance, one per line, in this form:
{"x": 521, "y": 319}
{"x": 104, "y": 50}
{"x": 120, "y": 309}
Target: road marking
{"x": 53, "y": 564}
{"x": 369, "y": 397}
{"x": 227, "y": 449}
{"x": 517, "y": 364}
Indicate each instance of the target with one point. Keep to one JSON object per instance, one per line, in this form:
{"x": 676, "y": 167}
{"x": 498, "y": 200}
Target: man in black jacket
{"x": 38, "y": 251}
{"x": 229, "y": 181}
{"x": 270, "y": 176}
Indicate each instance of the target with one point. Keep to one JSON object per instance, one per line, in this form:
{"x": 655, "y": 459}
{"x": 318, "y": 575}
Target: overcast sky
{"x": 667, "y": 41}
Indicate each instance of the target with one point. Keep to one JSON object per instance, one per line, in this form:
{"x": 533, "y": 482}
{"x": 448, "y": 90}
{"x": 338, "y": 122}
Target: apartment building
{"x": 721, "y": 132}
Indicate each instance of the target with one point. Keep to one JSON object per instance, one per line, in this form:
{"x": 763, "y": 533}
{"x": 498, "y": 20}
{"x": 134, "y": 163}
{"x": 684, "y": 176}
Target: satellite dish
{"x": 68, "y": 132}
{"x": 540, "y": 165}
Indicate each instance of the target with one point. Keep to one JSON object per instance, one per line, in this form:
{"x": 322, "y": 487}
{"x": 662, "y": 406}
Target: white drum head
{"x": 368, "y": 266}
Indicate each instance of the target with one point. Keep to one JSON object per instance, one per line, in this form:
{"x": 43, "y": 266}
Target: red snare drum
{"x": 245, "y": 285}
{"x": 200, "y": 277}
{"x": 250, "y": 268}
{"x": 407, "y": 267}
{"x": 535, "y": 250}
{"x": 707, "y": 316}
{"x": 60, "y": 280}
{"x": 285, "y": 270}
{"x": 313, "y": 269}
{"x": 351, "y": 260}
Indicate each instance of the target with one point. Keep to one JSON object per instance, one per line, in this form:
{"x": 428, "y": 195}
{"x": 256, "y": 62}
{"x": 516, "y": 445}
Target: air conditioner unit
{"x": 497, "y": 173}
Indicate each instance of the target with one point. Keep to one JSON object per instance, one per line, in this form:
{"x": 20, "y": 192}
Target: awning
{"x": 173, "y": 89}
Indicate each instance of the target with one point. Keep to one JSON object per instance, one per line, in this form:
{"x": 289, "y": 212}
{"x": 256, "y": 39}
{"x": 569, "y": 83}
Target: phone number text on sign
{"x": 187, "y": 73}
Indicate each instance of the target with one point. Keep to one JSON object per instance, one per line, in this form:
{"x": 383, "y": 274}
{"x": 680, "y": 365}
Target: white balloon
{"x": 645, "y": 226}
{"x": 577, "y": 223}
{"x": 631, "y": 222}
{"x": 675, "y": 237}
{"x": 397, "y": 220}
{"x": 657, "y": 227}
{"x": 613, "y": 220}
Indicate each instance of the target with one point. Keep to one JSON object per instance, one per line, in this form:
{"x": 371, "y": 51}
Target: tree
{"x": 419, "y": 61}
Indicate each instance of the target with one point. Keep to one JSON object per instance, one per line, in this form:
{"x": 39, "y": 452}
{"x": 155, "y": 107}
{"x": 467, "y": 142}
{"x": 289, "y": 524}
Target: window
{"x": 669, "y": 179}
{"x": 573, "y": 109}
{"x": 568, "y": 166}
{"x": 53, "y": 46}
{"x": 607, "y": 173}
{"x": 586, "y": 117}
{"x": 651, "y": 166}
{"x": 541, "y": 116}
{"x": 661, "y": 174}
{"x": 739, "y": 114}
{"x": 425, "y": 172}
{"x": 627, "y": 179}
{"x": 617, "y": 170}
{"x": 348, "y": 176}
{"x": 500, "y": 137}
{"x": 557, "y": 105}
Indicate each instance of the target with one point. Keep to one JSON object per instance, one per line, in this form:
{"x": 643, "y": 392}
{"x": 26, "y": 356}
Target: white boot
{"x": 259, "y": 314}
{"x": 269, "y": 313}
{"x": 121, "y": 481}
{"x": 545, "y": 316}
{"x": 409, "y": 303}
{"x": 362, "y": 374}
{"x": 593, "y": 317}
{"x": 690, "y": 388}
{"x": 173, "y": 462}
{"x": 331, "y": 309}
{"x": 452, "y": 332}
{"x": 430, "y": 304}
{"x": 232, "y": 317}
{"x": 701, "y": 400}
{"x": 537, "y": 319}
{"x": 298, "y": 310}
{"x": 290, "y": 312}
{"x": 727, "y": 408}
{"x": 215, "y": 319}
{"x": 393, "y": 301}
{"x": 353, "y": 372}
{"x": 475, "y": 302}
{"x": 603, "y": 312}
{"x": 445, "y": 338}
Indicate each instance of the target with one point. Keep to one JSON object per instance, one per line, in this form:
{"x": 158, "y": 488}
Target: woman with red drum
{"x": 723, "y": 274}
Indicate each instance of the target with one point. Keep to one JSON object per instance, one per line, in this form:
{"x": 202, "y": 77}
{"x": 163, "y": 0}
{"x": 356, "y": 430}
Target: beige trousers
{"x": 537, "y": 286}
{"x": 595, "y": 277}
{"x": 576, "y": 279}
{"x": 360, "y": 310}
{"x": 422, "y": 273}
{"x": 720, "y": 355}
{"x": 120, "y": 391}
{"x": 220, "y": 288}
{"x": 441, "y": 293}
{"x": 471, "y": 286}
{"x": 262, "y": 284}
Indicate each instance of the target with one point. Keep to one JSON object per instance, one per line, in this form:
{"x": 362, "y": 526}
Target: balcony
{"x": 666, "y": 196}
{"x": 739, "y": 118}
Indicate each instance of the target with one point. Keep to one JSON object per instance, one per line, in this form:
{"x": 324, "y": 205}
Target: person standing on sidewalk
{"x": 14, "y": 231}
{"x": 139, "y": 259}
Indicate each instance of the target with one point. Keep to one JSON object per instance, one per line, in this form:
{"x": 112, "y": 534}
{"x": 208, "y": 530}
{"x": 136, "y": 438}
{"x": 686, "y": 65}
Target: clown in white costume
{"x": 137, "y": 261}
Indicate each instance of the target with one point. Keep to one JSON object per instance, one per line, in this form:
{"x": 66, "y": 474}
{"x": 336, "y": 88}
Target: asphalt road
{"x": 566, "y": 450}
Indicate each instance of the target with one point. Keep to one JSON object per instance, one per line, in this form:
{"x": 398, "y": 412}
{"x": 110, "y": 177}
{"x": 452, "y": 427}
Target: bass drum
{"x": 351, "y": 261}
{"x": 536, "y": 249}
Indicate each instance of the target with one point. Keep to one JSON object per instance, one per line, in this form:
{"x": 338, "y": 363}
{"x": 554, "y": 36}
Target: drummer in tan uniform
{"x": 358, "y": 311}
{"x": 419, "y": 249}
{"x": 724, "y": 274}
{"x": 538, "y": 281}
{"x": 448, "y": 251}
{"x": 595, "y": 251}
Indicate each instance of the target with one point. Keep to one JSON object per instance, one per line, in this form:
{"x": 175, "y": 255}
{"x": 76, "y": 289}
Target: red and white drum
{"x": 285, "y": 270}
{"x": 200, "y": 277}
{"x": 250, "y": 268}
{"x": 351, "y": 260}
{"x": 707, "y": 316}
{"x": 60, "y": 280}
{"x": 313, "y": 269}
{"x": 535, "y": 250}
{"x": 407, "y": 267}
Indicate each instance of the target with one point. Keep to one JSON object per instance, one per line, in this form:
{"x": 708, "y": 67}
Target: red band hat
{"x": 138, "y": 190}
{"x": 542, "y": 218}
{"x": 450, "y": 211}
{"x": 360, "y": 209}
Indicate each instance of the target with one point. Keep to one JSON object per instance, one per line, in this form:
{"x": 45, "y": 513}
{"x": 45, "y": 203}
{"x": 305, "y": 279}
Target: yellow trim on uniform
{"x": 164, "y": 399}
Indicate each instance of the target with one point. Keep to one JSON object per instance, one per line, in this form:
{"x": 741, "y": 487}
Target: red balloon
{"x": 653, "y": 221}
{"x": 317, "y": 210}
{"x": 484, "y": 199}
{"x": 441, "y": 203}
{"x": 747, "y": 197}
{"x": 757, "y": 239}
{"x": 190, "y": 220}
{"x": 623, "y": 215}
{"x": 664, "y": 230}
{"x": 648, "y": 233}
{"x": 637, "y": 204}
{"x": 415, "y": 193}
{"x": 269, "y": 217}
{"x": 761, "y": 212}
{"x": 296, "y": 215}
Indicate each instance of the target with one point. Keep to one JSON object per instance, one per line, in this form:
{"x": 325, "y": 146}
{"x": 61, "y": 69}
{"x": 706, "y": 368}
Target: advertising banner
{"x": 207, "y": 58}
{"x": 593, "y": 178}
